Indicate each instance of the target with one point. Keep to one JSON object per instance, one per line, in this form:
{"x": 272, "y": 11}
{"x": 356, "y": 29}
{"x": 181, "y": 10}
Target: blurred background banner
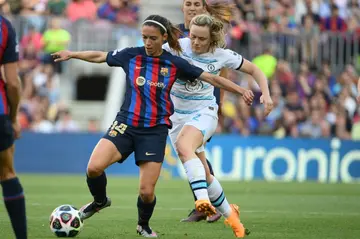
{"x": 233, "y": 158}
{"x": 308, "y": 49}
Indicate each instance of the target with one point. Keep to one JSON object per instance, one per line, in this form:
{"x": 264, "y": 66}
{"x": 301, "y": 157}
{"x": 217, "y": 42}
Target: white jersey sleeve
{"x": 166, "y": 47}
{"x": 233, "y": 60}
{"x": 184, "y": 43}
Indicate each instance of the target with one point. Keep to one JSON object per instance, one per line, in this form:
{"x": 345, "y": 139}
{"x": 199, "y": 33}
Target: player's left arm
{"x": 251, "y": 69}
{"x": 358, "y": 88}
{"x": 235, "y": 61}
{"x": 10, "y": 69}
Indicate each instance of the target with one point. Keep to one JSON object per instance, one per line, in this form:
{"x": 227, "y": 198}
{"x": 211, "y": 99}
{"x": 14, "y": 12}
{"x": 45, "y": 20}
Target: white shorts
{"x": 205, "y": 120}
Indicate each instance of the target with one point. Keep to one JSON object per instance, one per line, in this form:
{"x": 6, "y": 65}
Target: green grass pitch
{"x": 269, "y": 210}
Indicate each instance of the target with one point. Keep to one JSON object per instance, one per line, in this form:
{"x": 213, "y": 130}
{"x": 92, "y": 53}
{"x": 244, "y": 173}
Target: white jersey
{"x": 189, "y": 98}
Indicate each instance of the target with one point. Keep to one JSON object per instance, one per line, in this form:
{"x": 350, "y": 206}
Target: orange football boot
{"x": 205, "y": 206}
{"x": 234, "y": 222}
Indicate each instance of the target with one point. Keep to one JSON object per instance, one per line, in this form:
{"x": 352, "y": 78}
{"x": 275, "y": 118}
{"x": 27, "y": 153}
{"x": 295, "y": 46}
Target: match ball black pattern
{"x": 75, "y": 223}
{"x": 56, "y": 224}
{"x": 61, "y": 234}
{"x": 65, "y": 208}
{"x": 73, "y": 233}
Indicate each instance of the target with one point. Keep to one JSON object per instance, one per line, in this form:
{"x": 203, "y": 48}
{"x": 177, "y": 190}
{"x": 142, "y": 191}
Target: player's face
{"x": 153, "y": 40}
{"x": 200, "y": 39}
{"x": 192, "y": 8}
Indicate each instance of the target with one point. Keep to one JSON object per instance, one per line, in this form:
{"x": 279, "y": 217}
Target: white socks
{"x": 218, "y": 199}
{"x": 195, "y": 172}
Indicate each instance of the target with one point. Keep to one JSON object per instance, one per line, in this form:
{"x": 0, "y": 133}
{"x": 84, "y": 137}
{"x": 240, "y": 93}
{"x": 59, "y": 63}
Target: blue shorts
{"x": 6, "y": 133}
{"x": 148, "y": 143}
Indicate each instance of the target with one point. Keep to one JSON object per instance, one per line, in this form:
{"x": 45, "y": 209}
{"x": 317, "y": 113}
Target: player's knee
{"x": 183, "y": 150}
{"x": 94, "y": 170}
{"x": 147, "y": 193}
{"x": 7, "y": 172}
{"x": 209, "y": 178}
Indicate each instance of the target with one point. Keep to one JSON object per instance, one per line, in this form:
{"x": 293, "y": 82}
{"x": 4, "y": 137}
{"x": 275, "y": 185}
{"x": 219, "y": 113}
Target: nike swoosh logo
{"x": 139, "y": 67}
{"x": 149, "y": 154}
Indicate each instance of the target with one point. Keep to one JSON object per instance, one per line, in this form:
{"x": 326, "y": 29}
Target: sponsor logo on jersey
{"x": 156, "y": 84}
{"x": 140, "y": 81}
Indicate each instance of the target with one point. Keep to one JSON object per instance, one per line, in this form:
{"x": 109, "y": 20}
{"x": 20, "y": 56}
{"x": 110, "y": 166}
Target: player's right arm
{"x": 358, "y": 88}
{"x": 112, "y": 58}
{"x": 13, "y": 86}
{"x": 89, "y": 56}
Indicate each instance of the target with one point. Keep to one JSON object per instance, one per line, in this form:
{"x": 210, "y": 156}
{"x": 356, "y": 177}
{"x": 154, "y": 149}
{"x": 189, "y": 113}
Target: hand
{"x": 268, "y": 103}
{"x": 248, "y": 97}
{"x": 61, "y": 55}
{"x": 17, "y": 129}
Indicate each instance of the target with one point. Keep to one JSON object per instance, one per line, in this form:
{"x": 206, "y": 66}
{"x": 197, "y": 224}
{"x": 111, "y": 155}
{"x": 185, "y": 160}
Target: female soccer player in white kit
{"x": 195, "y": 118}
{"x": 223, "y": 11}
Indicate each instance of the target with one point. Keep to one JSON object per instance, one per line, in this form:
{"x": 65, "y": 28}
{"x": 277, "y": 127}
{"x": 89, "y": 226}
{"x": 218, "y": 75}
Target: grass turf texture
{"x": 269, "y": 210}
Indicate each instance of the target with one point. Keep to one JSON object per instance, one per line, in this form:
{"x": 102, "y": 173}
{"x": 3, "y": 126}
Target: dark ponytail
{"x": 165, "y": 26}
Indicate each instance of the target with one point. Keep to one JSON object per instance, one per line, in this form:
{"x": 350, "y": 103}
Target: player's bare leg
{"x": 188, "y": 140}
{"x": 13, "y": 193}
{"x": 104, "y": 154}
{"x": 149, "y": 174}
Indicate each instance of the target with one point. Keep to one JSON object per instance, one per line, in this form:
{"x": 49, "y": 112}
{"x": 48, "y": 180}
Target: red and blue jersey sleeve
{"x": 186, "y": 71}
{"x": 118, "y": 58}
{"x": 8, "y": 42}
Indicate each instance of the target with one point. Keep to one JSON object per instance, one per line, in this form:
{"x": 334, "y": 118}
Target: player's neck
{"x": 201, "y": 53}
{"x": 155, "y": 54}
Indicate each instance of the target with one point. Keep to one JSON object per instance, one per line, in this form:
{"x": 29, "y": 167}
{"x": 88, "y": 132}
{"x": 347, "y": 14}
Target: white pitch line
{"x": 243, "y": 211}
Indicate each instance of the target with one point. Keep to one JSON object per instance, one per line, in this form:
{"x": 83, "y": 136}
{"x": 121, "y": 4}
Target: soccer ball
{"x": 65, "y": 221}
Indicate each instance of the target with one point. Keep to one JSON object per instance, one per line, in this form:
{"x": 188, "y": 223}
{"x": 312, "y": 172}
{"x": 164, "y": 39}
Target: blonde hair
{"x": 216, "y": 28}
{"x": 221, "y": 10}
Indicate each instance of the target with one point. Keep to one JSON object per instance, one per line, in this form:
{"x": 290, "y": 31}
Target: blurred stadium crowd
{"x": 307, "y": 48}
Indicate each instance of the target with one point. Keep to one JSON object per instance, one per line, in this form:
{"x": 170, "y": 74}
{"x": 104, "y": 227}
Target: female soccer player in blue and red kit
{"x": 10, "y": 129}
{"x": 142, "y": 124}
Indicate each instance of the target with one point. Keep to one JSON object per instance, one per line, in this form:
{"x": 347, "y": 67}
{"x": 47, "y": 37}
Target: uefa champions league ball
{"x": 65, "y": 221}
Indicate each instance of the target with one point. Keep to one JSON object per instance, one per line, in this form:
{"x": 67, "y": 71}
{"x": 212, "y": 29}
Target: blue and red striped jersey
{"x": 149, "y": 80}
{"x": 8, "y": 53}
{"x": 186, "y": 34}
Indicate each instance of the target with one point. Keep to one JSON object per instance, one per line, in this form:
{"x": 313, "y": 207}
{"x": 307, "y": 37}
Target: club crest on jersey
{"x": 211, "y": 68}
{"x": 194, "y": 86}
{"x": 164, "y": 71}
{"x": 140, "y": 81}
